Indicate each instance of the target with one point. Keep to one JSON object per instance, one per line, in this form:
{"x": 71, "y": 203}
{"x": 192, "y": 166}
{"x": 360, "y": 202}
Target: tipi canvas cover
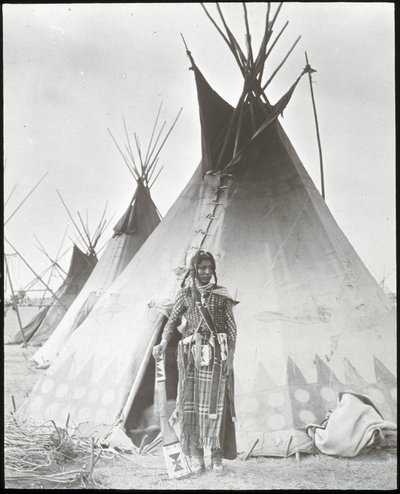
{"x": 38, "y": 330}
{"x": 131, "y": 231}
{"x": 311, "y": 319}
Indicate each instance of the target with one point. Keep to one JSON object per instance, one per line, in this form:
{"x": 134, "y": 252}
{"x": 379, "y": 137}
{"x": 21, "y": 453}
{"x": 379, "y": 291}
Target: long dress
{"x": 205, "y": 394}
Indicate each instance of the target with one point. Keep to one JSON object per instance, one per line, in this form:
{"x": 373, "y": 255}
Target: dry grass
{"x": 44, "y": 453}
{"x": 371, "y": 470}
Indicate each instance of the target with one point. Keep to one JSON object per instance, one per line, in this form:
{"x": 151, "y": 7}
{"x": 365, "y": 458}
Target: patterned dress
{"x": 205, "y": 393}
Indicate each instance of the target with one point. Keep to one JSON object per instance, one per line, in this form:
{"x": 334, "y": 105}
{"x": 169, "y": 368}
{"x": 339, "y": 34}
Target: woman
{"x": 205, "y": 406}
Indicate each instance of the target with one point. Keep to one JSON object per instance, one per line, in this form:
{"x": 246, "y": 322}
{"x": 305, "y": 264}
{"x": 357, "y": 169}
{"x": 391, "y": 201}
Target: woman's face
{"x": 204, "y": 272}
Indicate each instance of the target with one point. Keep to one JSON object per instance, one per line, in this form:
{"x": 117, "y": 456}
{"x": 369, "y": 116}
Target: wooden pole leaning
{"x": 37, "y": 276}
{"x": 174, "y": 457}
{"x": 15, "y": 305}
{"x": 321, "y": 166}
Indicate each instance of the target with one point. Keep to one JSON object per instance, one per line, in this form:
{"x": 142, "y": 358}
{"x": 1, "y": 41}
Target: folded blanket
{"x": 352, "y": 426}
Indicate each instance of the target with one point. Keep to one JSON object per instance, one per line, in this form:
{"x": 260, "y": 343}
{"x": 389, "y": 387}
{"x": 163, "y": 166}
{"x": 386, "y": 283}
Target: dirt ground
{"x": 370, "y": 470}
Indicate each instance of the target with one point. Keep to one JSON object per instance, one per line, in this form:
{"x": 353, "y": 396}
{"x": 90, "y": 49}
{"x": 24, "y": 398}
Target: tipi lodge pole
{"x": 316, "y": 127}
{"x": 9, "y": 197}
{"x": 37, "y": 276}
{"x": 14, "y": 301}
{"x": 26, "y": 197}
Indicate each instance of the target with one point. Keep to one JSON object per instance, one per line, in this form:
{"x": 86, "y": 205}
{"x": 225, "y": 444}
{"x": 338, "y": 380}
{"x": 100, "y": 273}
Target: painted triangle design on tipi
{"x": 294, "y": 375}
{"x": 262, "y": 400}
{"x": 324, "y": 374}
{"x": 383, "y": 375}
{"x": 263, "y": 379}
{"x": 304, "y": 398}
{"x": 353, "y": 378}
{"x": 384, "y": 391}
{"x": 328, "y": 386}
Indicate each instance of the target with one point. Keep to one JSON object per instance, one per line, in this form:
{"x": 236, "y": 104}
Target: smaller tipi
{"x": 131, "y": 231}
{"x": 45, "y": 321}
{"x": 39, "y": 328}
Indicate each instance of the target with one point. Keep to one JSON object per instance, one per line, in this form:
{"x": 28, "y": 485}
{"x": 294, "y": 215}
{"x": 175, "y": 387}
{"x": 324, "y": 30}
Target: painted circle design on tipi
{"x": 276, "y": 400}
{"x": 62, "y": 390}
{"x": 79, "y": 392}
{"x": 37, "y": 403}
{"x": 84, "y": 414}
{"x": 51, "y": 410}
{"x": 307, "y": 417}
{"x": 276, "y": 421}
{"x": 328, "y": 394}
{"x": 47, "y": 386}
{"x": 302, "y": 395}
{"x": 376, "y": 395}
{"x": 100, "y": 416}
{"x": 93, "y": 395}
{"x": 393, "y": 393}
{"x": 108, "y": 397}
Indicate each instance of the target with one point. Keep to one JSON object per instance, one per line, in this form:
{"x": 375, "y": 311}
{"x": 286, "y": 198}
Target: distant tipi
{"x": 44, "y": 322}
{"x": 131, "y": 231}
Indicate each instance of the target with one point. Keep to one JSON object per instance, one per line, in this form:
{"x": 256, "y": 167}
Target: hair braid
{"x": 215, "y": 277}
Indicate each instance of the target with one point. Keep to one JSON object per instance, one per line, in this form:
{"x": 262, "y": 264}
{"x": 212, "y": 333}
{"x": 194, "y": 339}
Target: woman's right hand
{"x": 160, "y": 349}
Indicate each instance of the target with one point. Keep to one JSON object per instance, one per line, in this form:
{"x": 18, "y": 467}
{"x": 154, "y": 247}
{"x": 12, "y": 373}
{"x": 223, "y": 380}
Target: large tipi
{"x": 312, "y": 321}
{"x": 131, "y": 231}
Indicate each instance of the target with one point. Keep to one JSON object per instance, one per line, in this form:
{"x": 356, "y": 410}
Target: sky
{"x": 72, "y": 71}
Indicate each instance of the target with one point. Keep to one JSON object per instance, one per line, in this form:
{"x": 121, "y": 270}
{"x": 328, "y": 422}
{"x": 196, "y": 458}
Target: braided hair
{"x": 200, "y": 255}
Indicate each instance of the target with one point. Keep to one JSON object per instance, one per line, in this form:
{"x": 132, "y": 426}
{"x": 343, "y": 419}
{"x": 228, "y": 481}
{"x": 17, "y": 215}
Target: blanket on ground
{"x": 355, "y": 424}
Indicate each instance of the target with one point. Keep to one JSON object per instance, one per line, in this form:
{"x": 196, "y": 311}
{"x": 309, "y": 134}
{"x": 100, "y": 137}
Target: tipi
{"x": 311, "y": 319}
{"x": 19, "y": 309}
{"x": 131, "y": 231}
{"x": 51, "y": 312}
{"x": 47, "y": 318}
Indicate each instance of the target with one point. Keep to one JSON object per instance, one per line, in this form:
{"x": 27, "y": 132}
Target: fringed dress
{"x": 205, "y": 405}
